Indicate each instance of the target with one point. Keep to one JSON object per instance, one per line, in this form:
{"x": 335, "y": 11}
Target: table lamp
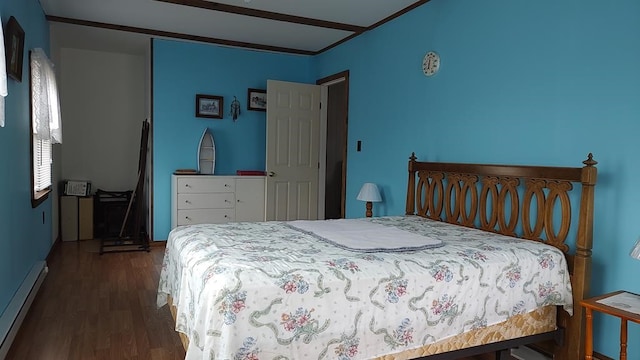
{"x": 369, "y": 193}
{"x": 635, "y": 251}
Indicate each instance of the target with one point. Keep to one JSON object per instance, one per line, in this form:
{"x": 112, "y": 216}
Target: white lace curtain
{"x": 44, "y": 95}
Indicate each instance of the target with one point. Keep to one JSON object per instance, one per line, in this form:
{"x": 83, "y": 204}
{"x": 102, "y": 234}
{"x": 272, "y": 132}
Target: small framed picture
{"x": 257, "y": 100}
{"x": 14, "y": 47}
{"x": 209, "y": 106}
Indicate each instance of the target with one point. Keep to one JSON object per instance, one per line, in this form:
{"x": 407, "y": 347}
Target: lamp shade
{"x": 635, "y": 251}
{"x": 369, "y": 192}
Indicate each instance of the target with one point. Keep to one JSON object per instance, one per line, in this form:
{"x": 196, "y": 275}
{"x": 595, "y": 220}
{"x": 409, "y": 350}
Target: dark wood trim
{"x": 150, "y": 175}
{"x": 547, "y": 172}
{"x": 324, "y": 80}
{"x": 381, "y": 22}
{"x": 239, "y": 10}
{"x": 167, "y": 34}
{"x": 599, "y": 356}
{"x": 338, "y": 43}
{"x": 398, "y": 14}
{"x": 39, "y": 197}
{"x": 357, "y": 30}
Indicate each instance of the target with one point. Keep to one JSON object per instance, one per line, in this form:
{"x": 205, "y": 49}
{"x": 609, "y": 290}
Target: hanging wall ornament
{"x": 235, "y": 109}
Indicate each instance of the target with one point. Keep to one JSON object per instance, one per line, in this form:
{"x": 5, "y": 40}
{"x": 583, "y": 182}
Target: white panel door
{"x": 293, "y": 135}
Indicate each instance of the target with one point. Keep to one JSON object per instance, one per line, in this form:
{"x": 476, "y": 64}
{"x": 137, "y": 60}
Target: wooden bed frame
{"x": 509, "y": 199}
{"x": 517, "y": 201}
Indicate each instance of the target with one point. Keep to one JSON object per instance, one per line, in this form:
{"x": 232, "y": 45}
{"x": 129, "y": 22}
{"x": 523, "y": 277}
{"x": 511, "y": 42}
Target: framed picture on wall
{"x": 257, "y": 100}
{"x": 209, "y": 106}
{"x": 14, "y": 49}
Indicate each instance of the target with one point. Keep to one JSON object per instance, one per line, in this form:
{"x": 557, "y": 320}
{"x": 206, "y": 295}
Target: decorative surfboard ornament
{"x": 206, "y": 153}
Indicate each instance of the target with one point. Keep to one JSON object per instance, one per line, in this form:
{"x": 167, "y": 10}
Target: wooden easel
{"x": 138, "y": 240}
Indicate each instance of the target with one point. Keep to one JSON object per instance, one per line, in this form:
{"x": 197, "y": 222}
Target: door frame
{"x": 341, "y": 77}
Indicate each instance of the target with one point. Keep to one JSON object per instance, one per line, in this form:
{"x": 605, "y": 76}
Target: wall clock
{"x": 430, "y": 63}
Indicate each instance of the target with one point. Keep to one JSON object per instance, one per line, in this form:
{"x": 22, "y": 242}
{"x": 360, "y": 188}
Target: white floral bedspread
{"x": 268, "y": 291}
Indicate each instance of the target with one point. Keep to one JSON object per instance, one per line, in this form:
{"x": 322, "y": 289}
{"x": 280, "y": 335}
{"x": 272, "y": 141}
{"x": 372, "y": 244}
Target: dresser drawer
{"x": 206, "y": 201}
{"x": 205, "y": 184}
{"x": 205, "y": 216}
{"x": 216, "y": 199}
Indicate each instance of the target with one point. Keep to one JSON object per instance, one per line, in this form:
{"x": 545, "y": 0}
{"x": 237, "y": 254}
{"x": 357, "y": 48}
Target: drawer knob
{"x": 227, "y": 185}
{"x": 187, "y": 218}
{"x": 187, "y": 185}
{"x": 187, "y": 202}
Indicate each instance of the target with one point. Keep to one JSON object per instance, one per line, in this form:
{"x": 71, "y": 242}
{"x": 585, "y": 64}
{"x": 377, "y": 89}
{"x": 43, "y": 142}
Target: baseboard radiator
{"x": 15, "y": 312}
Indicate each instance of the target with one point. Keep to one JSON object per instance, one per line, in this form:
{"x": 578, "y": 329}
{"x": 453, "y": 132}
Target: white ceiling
{"x": 279, "y": 25}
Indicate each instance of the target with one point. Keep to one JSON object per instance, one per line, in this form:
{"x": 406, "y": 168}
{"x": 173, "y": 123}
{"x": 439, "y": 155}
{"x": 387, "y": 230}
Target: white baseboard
{"x": 15, "y": 312}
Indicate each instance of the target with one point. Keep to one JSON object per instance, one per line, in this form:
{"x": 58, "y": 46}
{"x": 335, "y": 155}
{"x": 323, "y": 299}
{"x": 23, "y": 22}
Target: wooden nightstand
{"x": 592, "y": 304}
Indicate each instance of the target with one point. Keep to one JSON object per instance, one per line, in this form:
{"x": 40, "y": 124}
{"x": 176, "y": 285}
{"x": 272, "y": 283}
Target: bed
{"x": 488, "y": 263}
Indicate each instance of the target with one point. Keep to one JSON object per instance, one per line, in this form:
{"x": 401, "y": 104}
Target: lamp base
{"x": 369, "y": 213}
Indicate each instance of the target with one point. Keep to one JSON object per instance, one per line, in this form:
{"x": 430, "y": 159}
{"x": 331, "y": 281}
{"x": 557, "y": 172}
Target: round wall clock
{"x": 430, "y": 63}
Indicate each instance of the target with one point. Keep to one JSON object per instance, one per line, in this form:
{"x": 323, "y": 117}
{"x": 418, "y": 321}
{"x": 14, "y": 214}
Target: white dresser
{"x": 197, "y": 199}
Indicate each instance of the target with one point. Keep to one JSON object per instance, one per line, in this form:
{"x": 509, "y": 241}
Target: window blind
{"x": 41, "y": 163}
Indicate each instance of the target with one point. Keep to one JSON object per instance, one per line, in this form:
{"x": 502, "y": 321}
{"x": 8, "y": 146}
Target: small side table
{"x": 592, "y": 304}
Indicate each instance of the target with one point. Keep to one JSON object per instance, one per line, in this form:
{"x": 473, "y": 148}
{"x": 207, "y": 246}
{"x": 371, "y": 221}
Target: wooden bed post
{"x": 575, "y": 325}
{"x": 411, "y": 189}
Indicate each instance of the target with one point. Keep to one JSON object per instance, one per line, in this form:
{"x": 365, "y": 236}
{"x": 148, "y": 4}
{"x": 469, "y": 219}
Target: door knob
{"x": 272, "y": 174}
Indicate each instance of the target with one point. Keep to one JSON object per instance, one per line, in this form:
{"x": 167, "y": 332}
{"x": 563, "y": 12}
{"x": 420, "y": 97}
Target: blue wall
{"x": 542, "y": 82}
{"x": 24, "y": 238}
{"x": 180, "y": 71}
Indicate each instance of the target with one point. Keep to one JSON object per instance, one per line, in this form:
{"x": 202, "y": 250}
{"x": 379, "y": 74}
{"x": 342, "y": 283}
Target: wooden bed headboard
{"x": 530, "y": 202}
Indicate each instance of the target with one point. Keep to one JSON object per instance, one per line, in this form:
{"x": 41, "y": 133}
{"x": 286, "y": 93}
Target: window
{"x": 46, "y": 127}
{"x": 41, "y": 166}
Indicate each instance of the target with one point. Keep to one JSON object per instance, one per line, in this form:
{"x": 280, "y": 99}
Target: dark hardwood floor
{"x": 101, "y": 307}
